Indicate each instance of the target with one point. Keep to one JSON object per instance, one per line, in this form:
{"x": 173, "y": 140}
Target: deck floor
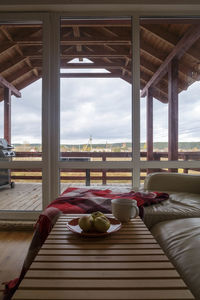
{"x": 28, "y": 196}
{"x": 24, "y": 196}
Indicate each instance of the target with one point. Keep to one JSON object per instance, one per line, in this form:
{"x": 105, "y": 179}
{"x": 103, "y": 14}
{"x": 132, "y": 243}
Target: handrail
{"x": 104, "y": 176}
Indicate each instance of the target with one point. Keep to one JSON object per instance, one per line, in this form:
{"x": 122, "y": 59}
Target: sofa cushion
{"x": 176, "y": 182}
{"x": 180, "y": 240}
{"x": 179, "y": 205}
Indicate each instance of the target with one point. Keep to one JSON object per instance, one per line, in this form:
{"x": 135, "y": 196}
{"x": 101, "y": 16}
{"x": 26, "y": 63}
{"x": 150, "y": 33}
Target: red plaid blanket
{"x": 76, "y": 201}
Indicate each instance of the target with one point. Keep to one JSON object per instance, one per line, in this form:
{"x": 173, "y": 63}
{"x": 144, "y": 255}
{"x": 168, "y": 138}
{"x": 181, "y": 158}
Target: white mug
{"x": 124, "y": 209}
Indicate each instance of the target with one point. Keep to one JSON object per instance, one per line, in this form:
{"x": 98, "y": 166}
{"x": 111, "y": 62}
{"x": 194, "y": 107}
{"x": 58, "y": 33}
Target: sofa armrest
{"x": 175, "y": 182}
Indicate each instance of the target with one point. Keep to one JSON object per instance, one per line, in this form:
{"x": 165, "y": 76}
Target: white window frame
{"x": 51, "y": 164}
{"x": 44, "y": 164}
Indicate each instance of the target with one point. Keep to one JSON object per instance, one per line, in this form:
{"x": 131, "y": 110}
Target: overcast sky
{"x": 100, "y": 108}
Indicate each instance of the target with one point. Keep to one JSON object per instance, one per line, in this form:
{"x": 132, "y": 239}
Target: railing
{"x": 97, "y": 175}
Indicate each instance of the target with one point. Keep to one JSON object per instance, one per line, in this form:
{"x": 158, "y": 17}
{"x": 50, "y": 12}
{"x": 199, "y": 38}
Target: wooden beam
{"x": 183, "y": 70}
{"x": 163, "y": 84}
{"x": 11, "y": 87}
{"x": 19, "y": 73}
{"x": 173, "y": 110}
{"x": 10, "y": 64}
{"x": 6, "y": 46}
{"x": 28, "y": 81}
{"x": 149, "y": 50}
{"x": 5, "y": 32}
{"x": 76, "y": 33}
{"x": 35, "y": 71}
{"x": 118, "y": 22}
{"x": 91, "y": 66}
{"x": 7, "y": 114}
{"x": 15, "y": 25}
{"x": 156, "y": 92}
{"x": 97, "y": 23}
{"x": 89, "y": 75}
{"x": 190, "y": 36}
{"x": 149, "y": 125}
{"x": 100, "y": 41}
{"x": 161, "y": 33}
{"x": 97, "y": 52}
{"x": 75, "y": 42}
{"x": 170, "y": 38}
{"x": 163, "y": 20}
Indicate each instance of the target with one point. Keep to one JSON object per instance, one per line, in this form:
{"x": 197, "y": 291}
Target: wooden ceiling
{"x": 106, "y": 43}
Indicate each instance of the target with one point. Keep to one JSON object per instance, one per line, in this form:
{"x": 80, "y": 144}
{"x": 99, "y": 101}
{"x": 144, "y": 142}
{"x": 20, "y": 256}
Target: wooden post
{"x": 104, "y": 171}
{"x": 7, "y": 114}
{"x": 149, "y": 125}
{"x": 173, "y": 111}
{"x": 87, "y": 176}
{"x": 149, "y": 115}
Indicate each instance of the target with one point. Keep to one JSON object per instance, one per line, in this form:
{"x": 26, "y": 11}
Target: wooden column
{"x": 7, "y": 114}
{"x": 149, "y": 115}
{"x": 104, "y": 173}
{"x": 173, "y": 111}
{"x": 149, "y": 125}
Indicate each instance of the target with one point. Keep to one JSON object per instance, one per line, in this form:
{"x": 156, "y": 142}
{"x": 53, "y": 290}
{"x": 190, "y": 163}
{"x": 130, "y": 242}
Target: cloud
{"x": 101, "y": 108}
{"x": 25, "y": 115}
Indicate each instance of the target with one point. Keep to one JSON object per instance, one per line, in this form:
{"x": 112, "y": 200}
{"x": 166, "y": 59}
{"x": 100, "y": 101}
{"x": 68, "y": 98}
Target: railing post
{"x": 186, "y": 157}
{"x": 156, "y": 156}
{"x": 87, "y": 179}
{"x": 104, "y": 172}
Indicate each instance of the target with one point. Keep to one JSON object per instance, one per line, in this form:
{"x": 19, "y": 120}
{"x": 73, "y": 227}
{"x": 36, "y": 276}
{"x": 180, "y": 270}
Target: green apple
{"x": 101, "y": 224}
{"x": 97, "y": 214}
{"x": 86, "y": 223}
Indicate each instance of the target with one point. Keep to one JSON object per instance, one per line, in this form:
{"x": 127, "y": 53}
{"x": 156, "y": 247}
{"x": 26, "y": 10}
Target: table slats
{"x": 128, "y": 264}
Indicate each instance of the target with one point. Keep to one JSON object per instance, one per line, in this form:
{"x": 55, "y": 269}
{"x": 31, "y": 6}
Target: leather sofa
{"x": 175, "y": 223}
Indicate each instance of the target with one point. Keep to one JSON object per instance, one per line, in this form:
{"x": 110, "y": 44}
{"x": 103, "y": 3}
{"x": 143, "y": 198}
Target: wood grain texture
{"x": 128, "y": 264}
{"x": 26, "y": 196}
{"x": 13, "y": 249}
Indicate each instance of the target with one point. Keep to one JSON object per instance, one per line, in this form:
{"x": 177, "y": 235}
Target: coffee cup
{"x": 124, "y": 209}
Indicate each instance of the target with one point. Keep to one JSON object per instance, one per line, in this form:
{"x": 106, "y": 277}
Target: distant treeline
{"x": 157, "y": 145}
{"x": 181, "y": 145}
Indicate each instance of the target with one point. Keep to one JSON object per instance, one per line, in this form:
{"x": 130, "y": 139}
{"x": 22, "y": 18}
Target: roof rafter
{"x": 169, "y": 38}
{"x": 11, "y": 64}
{"x": 157, "y": 92}
{"x": 6, "y": 46}
{"x": 76, "y": 33}
{"x": 9, "y": 85}
{"x": 5, "y": 32}
{"x": 190, "y": 36}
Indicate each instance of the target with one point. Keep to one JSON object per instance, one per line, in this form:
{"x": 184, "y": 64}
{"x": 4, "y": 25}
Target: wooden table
{"x": 128, "y": 264}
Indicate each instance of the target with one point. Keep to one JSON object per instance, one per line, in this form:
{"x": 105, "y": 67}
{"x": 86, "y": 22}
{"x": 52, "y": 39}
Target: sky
{"x": 100, "y": 108}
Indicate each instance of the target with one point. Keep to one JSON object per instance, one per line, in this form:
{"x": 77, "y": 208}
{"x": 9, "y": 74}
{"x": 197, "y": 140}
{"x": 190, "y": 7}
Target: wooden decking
{"x": 24, "y": 196}
{"x": 28, "y": 196}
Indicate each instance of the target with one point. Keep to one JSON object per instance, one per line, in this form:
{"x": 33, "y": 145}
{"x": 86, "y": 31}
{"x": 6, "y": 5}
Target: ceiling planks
{"x": 107, "y": 43}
